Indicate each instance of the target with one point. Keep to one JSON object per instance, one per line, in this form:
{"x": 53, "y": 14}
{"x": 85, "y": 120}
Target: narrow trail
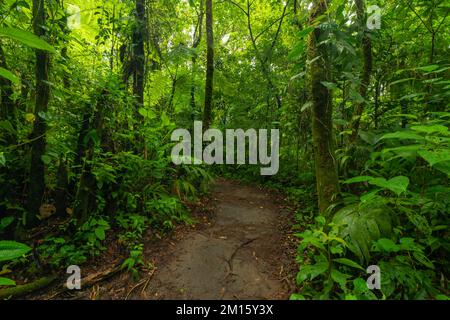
{"x": 239, "y": 256}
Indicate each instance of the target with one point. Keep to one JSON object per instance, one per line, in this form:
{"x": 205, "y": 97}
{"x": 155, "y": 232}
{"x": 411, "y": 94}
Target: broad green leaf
{"x": 26, "y": 38}
{"x": 387, "y": 245}
{"x": 412, "y": 95}
{"x": 372, "y": 195}
{"x": 430, "y": 129}
{"x": 305, "y": 32}
{"x": 100, "y": 233}
{"x": 348, "y": 263}
{"x": 356, "y": 226}
{"x": 296, "y": 296}
{"x": 329, "y": 85}
{"x": 360, "y": 285}
{"x": 165, "y": 120}
{"x": 435, "y": 156}
{"x": 398, "y": 184}
{"x": 402, "y": 135}
{"x": 146, "y": 113}
{"x": 443, "y": 167}
{"x": 429, "y": 68}
{"x": 400, "y": 81}
{"x": 358, "y": 179}
{"x": 410, "y": 150}
{"x": 297, "y": 51}
{"x": 7, "y": 282}
{"x": 8, "y": 75}
{"x": 10, "y": 250}
{"x": 309, "y": 272}
{"x": 5, "y": 222}
{"x": 339, "y": 277}
{"x": 369, "y": 137}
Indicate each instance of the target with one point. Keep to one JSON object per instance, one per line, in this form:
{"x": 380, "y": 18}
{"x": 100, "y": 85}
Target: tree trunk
{"x": 138, "y": 52}
{"x": 195, "y": 43}
{"x": 326, "y": 172}
{"x": 209, "y": 65}
{"x": 376, "y": 99}
{"x": 367, "y": 72}
{"x": 85, "y": 197}
{"x": 36, "y": 185}
{"x": 62, "y": 183}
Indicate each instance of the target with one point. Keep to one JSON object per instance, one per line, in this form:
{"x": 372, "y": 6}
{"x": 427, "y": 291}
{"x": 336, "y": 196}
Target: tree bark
{"x": 36, "y": 185}
{"x": 326, "y": 172}
{"x": 367, "y": 71}
{"x": 207, "y": 113}
{"x": 138, "y": 52}
{"x": 62, "y": 183}
{"x": 195, "y": 43}
{"x": 85, "y": 196}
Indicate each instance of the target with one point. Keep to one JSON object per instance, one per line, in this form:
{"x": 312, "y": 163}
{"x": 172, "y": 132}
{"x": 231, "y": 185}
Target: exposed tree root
{"x": 21, "y": 290}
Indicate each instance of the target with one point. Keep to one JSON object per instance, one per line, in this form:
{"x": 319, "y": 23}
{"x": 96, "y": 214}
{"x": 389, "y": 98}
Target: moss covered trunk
{"x": 326, "y": 173}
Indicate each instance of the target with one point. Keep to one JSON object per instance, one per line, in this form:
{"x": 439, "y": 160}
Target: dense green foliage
{"x": 89, "y": 100}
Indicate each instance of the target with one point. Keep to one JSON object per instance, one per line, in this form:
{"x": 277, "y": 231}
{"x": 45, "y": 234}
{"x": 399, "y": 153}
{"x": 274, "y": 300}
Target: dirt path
{"x": 243, "y": 250}
{"x": 239, "y": 256}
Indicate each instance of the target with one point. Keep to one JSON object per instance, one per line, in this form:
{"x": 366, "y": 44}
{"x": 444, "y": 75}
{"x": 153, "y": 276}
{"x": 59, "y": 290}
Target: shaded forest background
{"x": 91, "y": 91}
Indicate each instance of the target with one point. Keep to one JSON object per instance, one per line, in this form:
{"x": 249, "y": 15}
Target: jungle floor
{"x": 240, "y": 247}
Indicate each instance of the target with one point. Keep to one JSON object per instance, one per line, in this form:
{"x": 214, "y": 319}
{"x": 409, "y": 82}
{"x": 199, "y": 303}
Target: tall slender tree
{"x": 366, "y": 45}
{"x": 207, "y": 113}
{"x": 197, "y": 38}
{"x": 322, "y": 109}
{"x": 139, "y": 35}
{"x": 36, "y": 184}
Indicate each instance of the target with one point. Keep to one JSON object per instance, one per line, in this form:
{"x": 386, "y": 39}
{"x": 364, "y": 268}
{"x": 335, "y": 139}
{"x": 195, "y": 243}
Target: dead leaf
{"x": 46, "y": 211}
